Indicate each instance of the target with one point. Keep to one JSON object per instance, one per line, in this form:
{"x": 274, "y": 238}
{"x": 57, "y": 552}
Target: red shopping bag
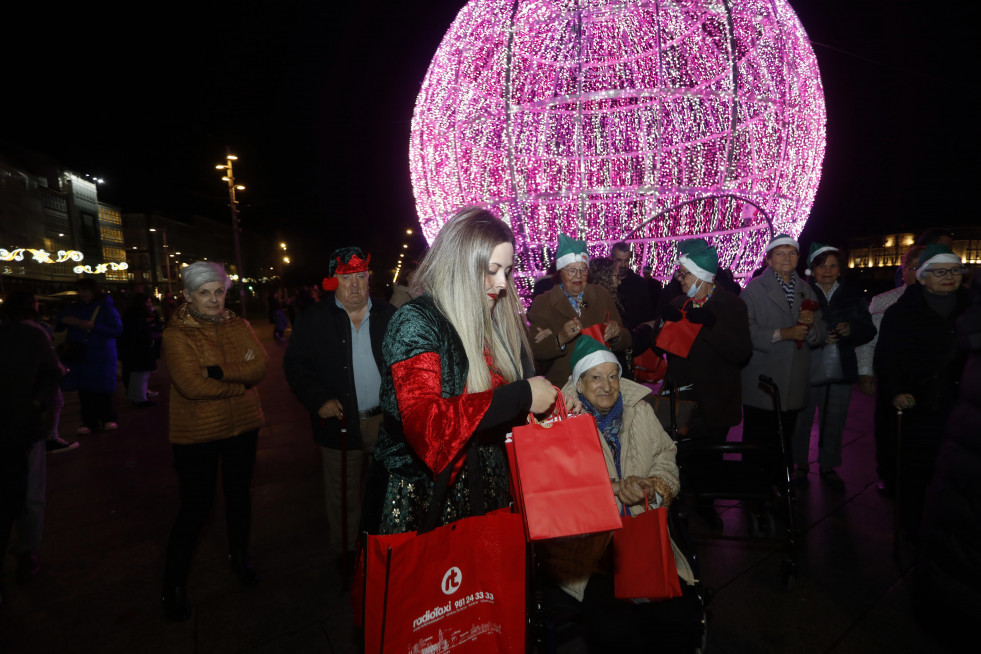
{"x": 643, "y": 561}
{"x": 596, "y": 331}
{"x": 677, "y": 337}
{"x": 559, "y": 478}
{"x": 457, "y": 588}
{"x": 649, "y": 367}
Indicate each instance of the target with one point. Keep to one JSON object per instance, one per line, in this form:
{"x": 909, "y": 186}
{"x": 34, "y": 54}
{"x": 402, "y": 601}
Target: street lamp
{"x": 166, "y": 259}
{"x": 233, "y": 203}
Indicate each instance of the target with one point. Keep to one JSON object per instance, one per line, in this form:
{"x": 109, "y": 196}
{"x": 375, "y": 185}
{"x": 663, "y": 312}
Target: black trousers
{"x": 197, "y": 470}
{"x": 13, "y": 492}
{"x": 96, "y": 408}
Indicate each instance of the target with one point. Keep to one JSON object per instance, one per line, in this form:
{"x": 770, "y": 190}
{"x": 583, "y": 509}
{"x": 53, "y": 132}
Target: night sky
{"x": 315, "y": 98}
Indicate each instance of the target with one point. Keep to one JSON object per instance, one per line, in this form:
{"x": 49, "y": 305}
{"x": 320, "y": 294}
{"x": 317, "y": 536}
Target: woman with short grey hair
{"x": 215, "y": 361}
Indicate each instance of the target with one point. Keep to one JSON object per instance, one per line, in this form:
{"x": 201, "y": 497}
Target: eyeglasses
{"x": 358, "y": 276}
{"x": 942, "y": 272}
{"x": 576, "y": 272}
{"x": 680, "y": 274}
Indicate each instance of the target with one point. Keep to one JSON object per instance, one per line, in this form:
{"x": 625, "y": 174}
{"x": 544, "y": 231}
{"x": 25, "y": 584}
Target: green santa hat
{"x": 699, "y": 258}
{"x": 588, "y": 353}
{"x": 782, "y": 239}
{"x": 933, "y": 254}
{"x": 816, "y": 249}
{"x": 570, "y": 251}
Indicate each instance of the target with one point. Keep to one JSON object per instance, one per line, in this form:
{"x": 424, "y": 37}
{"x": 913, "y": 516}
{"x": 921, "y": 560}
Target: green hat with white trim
{"x": 933, "y": 254}
{"x": 701, "y": 259}
{"x": 570, "y": 251}
{"x": 782, "y": 239}
{"x": 816, "y": 249}
{"x": 588, "y": 353}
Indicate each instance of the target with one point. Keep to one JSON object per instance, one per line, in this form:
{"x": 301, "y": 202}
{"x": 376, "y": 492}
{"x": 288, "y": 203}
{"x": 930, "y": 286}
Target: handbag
{"x": 678, "y": 337}
{"x": 458, "y": 587}
{"x": 826, "y": 366}
{"x": 643, "y": 559}
{"x": 596, "y": 331}
{"x": 559, "y": 464}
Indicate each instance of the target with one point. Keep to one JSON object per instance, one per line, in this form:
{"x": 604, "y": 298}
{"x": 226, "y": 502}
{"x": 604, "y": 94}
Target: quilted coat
{"x": 205, "y": 409}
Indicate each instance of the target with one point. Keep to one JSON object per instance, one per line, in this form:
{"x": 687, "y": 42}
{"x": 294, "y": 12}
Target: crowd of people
{"x": 410, "y": 401}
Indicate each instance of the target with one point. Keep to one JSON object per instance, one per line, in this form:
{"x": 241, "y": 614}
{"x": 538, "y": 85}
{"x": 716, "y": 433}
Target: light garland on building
{"x": 40, "y": 256}
{"x": 643, "y": 121}
{"x": 100, "y": 268}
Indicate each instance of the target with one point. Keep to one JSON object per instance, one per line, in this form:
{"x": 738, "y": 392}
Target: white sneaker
{"x": 83, "y": 431}
{"x": 111, "y": 425}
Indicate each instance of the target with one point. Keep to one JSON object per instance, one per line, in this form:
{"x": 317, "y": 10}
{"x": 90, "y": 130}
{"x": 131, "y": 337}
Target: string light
{"x": 641, "y": 121}
{"x": 40, "y": 256}
{"x": 100, "y": 268}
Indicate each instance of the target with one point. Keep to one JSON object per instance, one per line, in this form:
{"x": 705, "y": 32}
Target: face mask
{"x": 693, "y": 289}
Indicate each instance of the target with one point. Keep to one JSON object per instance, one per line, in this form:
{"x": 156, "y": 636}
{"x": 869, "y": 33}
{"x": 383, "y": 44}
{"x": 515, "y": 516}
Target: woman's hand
{"x": 904, "y": 401}
{"x": 629, "y": 491}
{"x": 331, "y": 409}
{"x": 542, "y": 394}
{"x": 843, "y": 329}
{"x": 573, "y": 405}
{"x": 806, "y": 317}
{"x": 795, "y": 333}
{"x": 611, "y": 332}
{"x": 542, "y": 334}
{"x": 570, "y": 330}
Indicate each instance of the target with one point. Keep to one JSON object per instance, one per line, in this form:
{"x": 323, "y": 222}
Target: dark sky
{"x": 315, "y": 98}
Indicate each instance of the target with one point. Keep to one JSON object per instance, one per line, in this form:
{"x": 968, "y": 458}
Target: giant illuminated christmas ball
{"x": 632, "y": 120}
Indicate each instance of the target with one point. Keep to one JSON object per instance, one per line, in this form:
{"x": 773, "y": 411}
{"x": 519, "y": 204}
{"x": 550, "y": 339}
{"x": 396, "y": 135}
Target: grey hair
{"x": 453, "y": 274}
{"x": 204, "y": 272}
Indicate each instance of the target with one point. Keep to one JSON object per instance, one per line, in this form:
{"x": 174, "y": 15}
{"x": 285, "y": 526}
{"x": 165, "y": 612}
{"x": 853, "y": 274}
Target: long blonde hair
{"x": 453, "y": 274}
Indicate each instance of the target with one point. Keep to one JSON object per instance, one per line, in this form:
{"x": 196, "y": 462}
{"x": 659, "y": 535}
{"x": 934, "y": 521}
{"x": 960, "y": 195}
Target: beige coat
{"x": 205, "y": 409}
{"x": 646, "y": 450}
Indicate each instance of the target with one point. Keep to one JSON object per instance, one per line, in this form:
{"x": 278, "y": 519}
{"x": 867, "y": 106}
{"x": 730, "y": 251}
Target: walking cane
{"x": 345, "y": 572}
{"x": 899, "y": 468}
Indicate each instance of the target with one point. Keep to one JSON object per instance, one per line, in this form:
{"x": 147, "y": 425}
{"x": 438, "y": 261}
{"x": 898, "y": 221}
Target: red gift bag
{"x": 678, "y": 337}
{"x": 457, "y": 588}
{"x": 596, "y": 331}
{"x": 558, "y": 465}
{"x": 643, "y": 561}
{"x": 649, "y": 367}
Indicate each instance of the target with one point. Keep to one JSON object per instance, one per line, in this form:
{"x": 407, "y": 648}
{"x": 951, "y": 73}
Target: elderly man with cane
{"x": 333, "y": 365}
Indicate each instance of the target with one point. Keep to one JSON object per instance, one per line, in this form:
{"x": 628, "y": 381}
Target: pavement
{"x": 111, "y": 502}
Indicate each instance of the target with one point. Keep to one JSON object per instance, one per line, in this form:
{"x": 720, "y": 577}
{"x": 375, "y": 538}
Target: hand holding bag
{"x": 678, "y": 337}
{"x": 643, "y": 560}
{"x": 560, "y": 478}
{"x": 597, "y": 330}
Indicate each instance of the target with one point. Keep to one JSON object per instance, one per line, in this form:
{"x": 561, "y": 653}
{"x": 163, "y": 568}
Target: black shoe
{"x": 243, "y": 569}
{"x": 176, "y": 605}
{"x": 831, "y": 479}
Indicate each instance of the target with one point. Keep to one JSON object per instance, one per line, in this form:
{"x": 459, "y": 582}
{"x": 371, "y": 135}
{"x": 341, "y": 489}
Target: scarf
{"x": 575, "y": 301}
{"x": 609, "y": 425}
{"x": 788, "y": 289}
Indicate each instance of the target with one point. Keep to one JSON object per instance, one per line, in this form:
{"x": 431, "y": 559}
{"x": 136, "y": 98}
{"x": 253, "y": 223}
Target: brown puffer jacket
{"x": 205, "y": 409}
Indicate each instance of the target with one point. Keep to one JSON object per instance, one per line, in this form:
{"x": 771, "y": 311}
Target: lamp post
{"x": 166, "y": 257}
{"x": 233, "y": 203}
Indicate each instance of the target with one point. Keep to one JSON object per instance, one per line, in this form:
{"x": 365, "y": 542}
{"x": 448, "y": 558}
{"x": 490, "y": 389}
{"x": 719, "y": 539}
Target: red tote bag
{"x": 597, "y": 330}
{"x": 559, "y": 478}
{"x": 678, "y": 337}
{"x": 457, "y": 588}
{"x": 643, "y": 561}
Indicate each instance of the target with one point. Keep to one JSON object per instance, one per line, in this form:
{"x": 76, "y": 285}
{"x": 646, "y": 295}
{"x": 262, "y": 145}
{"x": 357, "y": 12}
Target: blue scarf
{"x": 609, "y": 425}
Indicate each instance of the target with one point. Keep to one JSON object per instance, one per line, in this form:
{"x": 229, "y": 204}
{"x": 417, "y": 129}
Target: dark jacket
{"x": 27, "y": 386}
{"x": 718, "y": 354}
{"x": 96, "y": 371}
{"x": 635, "y": 298}
{"x": 949, "y": 568}
{"x": 319, "y": 364}
{"x": 916, "y": 353}
{"x": 847, "y": 305}
{"x": 137, "y": 345}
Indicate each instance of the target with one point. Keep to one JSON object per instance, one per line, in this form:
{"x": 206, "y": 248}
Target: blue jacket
{"x": 96, "y": 371}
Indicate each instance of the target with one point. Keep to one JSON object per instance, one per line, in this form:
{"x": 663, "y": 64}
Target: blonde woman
{"x": 455, "y": 362}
